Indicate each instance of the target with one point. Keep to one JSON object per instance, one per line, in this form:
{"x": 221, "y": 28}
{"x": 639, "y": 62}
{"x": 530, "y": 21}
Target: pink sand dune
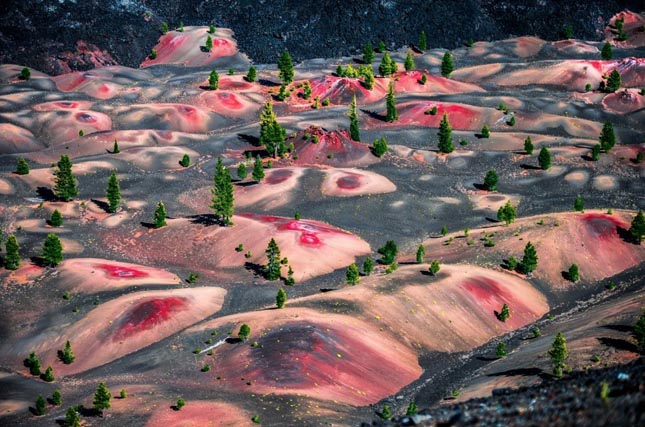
{"x": 173, "y": 117}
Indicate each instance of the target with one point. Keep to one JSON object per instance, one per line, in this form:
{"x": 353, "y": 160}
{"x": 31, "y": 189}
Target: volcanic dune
{"x": 122, "y": 326}
{"x": 102, "y": 83}
{"x": 201, "y": 413}
{"x": 173, "y": 117}
{"x": 213, "y": 247}
{"x": 355, "y": 182}
{"x": 321, "y": 355}
{"x": 275, "y": 190}
{"x": 318, "y": 146}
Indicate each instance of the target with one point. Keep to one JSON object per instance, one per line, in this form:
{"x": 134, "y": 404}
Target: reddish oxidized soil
{"x": 120, "y": 271}
{"x": 278, "y": 176}
{"x": 349, "y": 182}
{"x": 147, "y": 315}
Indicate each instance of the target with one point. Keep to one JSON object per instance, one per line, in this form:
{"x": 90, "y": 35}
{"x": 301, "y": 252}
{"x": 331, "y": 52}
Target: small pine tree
{"x": 568, "y": 32}
{"x": 368, "y": 266}
{"x": 164, "y": 27}
{"x": 306, "y": 90}
{"x": 222, "y": 194}
{"x": 48, "y": 376}
{"x": 423, "y": 41}
{"x": 595, "y": 152}
{"x": 637, "y": 228}
{"x": 409, "y": 62}
{"x": 613, "y": 82}
{"x": 501, "y": 350}
{"x": 241, "y": 171}
{"x": 213, "y": 80}
{"x": 387, "y": 66}
{"x": 65, "y": 186}
{"x": 490, "y": 181}
{"x": 52, "y": 252}
{"x": 558, "y": 354}
{"x": 33, "y": 363}
{"x": 573, "y": 273}
{"x": 352, "y": 275}
{"x": 424, "y": 79}
{"x": 57, "y": 398}
{"x": 639, "y": 332}
{"x": 447, "y": 65}
{"x": 607, "y": 137}
{"x": 544, "y": 158}
{"x": 272, "y": 269}
{"x": 72, "y": 418}
{"x": 123, "y": 394}
{"x": 258, "y": 169}
{"x": 578, "y": 204}
{"x": 159, "y": 218}
{"x": 252, "y": 74}
{"x": 12, "y": 258}
{"x": 285, "y": 68}
{"x": 211, "y": 29}
{"x": 113, "y": 192}
{"x": 485, "y": 133}
{"x": 421, "y": 251}
{"x": 368, "y": 54}
{"x": 606, "y": 52}
{"x": 504, "y": 313}
{"x": 530, "y": 259}
{"x": 115, "y": 147}
{"x": 639, "y": 157}
{"x": 22, "y": 167}
{"x": 390, "y": 104}
{"x": 368, "y": 79}
{"x": 40, "y": 407}
{"x": 511, "y": 122}
{"x": 181, "y": 27}
{"x": 411, "y": 410}
{"x": 153, "y": 55}
{"x": 102, "y": 397}
{"x": 389, "y": 252}
{"x": 244, "y": 332}
{"x": 185, "y": 161}
{"x": 25, "y": 74}
{"x": 280, "y": 298}
{"x": 434, "y": 267}
{"x": 66, "y": 355}
{"x": 445, "y": 136}
{"x": 386, "y": 413}
{"x": 507, "y": 213}
{"x": 354, "y": 132}
{"x": 272, "y": 135}
{"x": 379, "y": 147}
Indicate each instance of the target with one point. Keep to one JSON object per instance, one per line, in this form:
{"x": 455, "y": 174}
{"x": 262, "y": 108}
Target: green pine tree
{"x": 501, "y": 349}
{"x": 445, "y": 136}
{"x": 390, "y": 104}
{"x": 637, "y": 228}
{"x": 639, "y": 332}
{"x": 211, "y": 29}
{"x": 33, "y": 363}
{"x": 504, "y": 313}
{"x": 485, "y": 133}
{"x": 159, "y": 218}
{"x": 52, "y": 252}
{"x": 280, "y": 298}
{"x": 213, "y": 80}
{"x": 65, "y": 187}
{"x": 67, "y": 355}
{"x": 285, "y": 68}
{"x": 306, "y": 90}
{"x": 272, "y": 135}
{"x": 544, "y": 158}
{"x": 57, "y": 398}
{"x": 423, "y": 41}
{"x": 272, "y": 269}
{"x": 354, "y": 132}
{"x": 573, "y": 273}
{"x": 421, "y": 251}
{"x": 48, "y": 376}
{"x": 387, "y": 66}
{"x": 490, "y": 181}
{"x": 164, "y": 27}
{"x": 528, "y": 145}
{"x": 102, "y": 397}
{"x": 607, "y": 137}
{"x": 258, "y": 169}
{"x": 25, "y": 74}
{"x": 380, "y": 47}
{"x": 578, "y": 204}
{"x": 447, "y": 65}
{"x": 530, "y": 259}
{"x": 40, "y": 407}
{"x": 222, "y": 194}
{"x": 241, "y": 171}
{"x": 368, "y": 54}
{"x": 409, "y": 62}
{"x": 386, "y": 413}
{"x": 507, "y": 213}
{"x": 22, "y": 167}
{"x": 606, "y": 52}
{"x": 558, "y": 354}
{"x": 252, "y": 74}
{"x": 613, "y": 82}
{"x": 209, "y": 43}
{"x": 368, "y": 266}
{"x": 412, "y": 407}
{"x": 352, "y": 275}
{"x": 72, "y": 419}
{"x": 595, "y": 152}
{"x": 244, "y": 332}
{"x": 113, "y": 192}
{"x": 434, "y": 267}
{"x": 12, "y": 258}
{"x": 368, "y": 79}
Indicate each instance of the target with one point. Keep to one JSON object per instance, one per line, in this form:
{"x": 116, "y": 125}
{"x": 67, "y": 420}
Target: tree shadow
{"x": 249, "y": 139}
{"x": 257, "y": 269}
{"x": 565, "y": 275}
{"x": 205, "y": 220}
{"x": 480, "y": 187}
{"x": 324, "y": 290}
{"x": 619, "y": 328}
{"x": 46, "y": 194}
{"x": 624, "y": 234}
{"x": 101, "y": 204}
{"x": 486, "y": 359}
{"x": 618, "y": 344}
{"x": 245, "y": 183}
{"x": 147, "y": 225}
{"x": 268, "y": 83}
{"x": 530, "y": 167}
{"x": 519, "y": 372}
{"x": 233, "y": 340}
{"x": 375, "y": 115}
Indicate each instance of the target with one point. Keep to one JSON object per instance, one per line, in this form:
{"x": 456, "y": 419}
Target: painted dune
{"x": 122, "y": 326}
{"x": 318, "y": 146}
{"x": 354, "y": 182}
{"x": 201, "y": 413}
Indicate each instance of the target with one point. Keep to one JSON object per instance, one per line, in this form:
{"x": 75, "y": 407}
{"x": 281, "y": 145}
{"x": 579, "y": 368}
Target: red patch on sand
{"x": 148, "y": 314}
{"x": 602, "y": 227}
{"x": 485, "y": 290}
{"x": 278, "y": 176}
{"x": 121, "y": 272}
{"x": 349, "y": 182}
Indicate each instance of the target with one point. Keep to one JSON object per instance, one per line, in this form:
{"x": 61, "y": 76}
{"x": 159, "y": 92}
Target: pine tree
{"x": 421, "y": 251}
{"x": 115, "y": 147}
{"x": 280, "y": 298}
{"x": 209, "y": 43}
{"x": 258, "y": 169}
{"x": 490, "y": 181}
{"x": 290, "y": 280}
{"x": 12, "y": 258}
{"x": 447, "y": 65}
{"x": 159, "y": 218}
{"x": 637, "y": 228}
{"x": 244, "y": 332}
{"x": 252, "y": 74}
{"x": 607, "y": 137}
{"x": 387, "y": 66}
{"x": 22, "y": 167}
{"x": 409, "y": 62}
{"x": 558, "y": 354}
{"x": 41, "y": 406}
{"x": 434, "y": 267}
{"x": 354, "y": 133}
{"x": 424, "y": 79}
{"x": 222, "y": 194}
{"x": 306, "y": 90}
{"x": 445, "y": 136}
{"x": 507, "y": 213}
{"x": 595, "y": 152}
{"x": 386, "y": 413}
{"x": 211, "y": 29}
{"x": 423, "y": 41}
{"x": 390, "y": 104}
{"x": 185, "y": 161}
{"x": 639, "y": 332}
{"x": 65, "y": 186}
{"x": 613, "y": 82}
{"x": 368, "y": 79}
{"x": 272, "y": 135}
{"x": 57, "y": 398}
{"x": 102, "y": 398}
{"x": 544, "y": 158}
{"x": 164, "y": 28}
{"x": 213, "y": 80}
{"x": 368, "y": 266}
{"x": 181, "y": 27}
{"x": 25, "y": 74}
{"x": 504, "y": 313}
{"x": 411, "y": 410}
{"x": 66, "y": 355}
{"x": 578, "y": 204}
{"x": 501, "y": 349}
{"x": 368, "y": 53}
{"x": 52, "y": 252}
{"x": 48, "y": 376}
{"x": 530, "y": 259}
{"x": 72, "y": 419}
{"x": 352, "y": 275}
{"x": 285, "y": 68}
{"x": 241, "y": 171}
{"x": 389, "y": 252}
{"x": 573, "y": 273}
{"x": 33, "y": 363}
{"x": 113, "y": 192}
{"x": 272, "y": 269}
{"x": 528, "y": 145}
{"x": 606, "y": 52}
{"x": 380, "y": 47}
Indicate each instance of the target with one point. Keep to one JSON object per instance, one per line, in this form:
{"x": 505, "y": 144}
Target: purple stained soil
{"x": 85, "y": 117}
{"x": 278, "y": 176}
{"x": 601, "y": 226}
{"x": 484, "y": 289}
{"x": 147, "y": 314}
{"x": 349, "y": 182}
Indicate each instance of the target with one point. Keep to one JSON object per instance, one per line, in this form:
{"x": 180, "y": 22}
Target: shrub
{"x": 244, "y": 332}
{"x": 22, "y": 167}
{"x": 379, "y": 147}
{"x": 434, "y": 267}
{"x": 180, "y": 404}
{"x": 485, "y": 133}
{"x": 185, "y": 161}
{"x": 501, "y": 350}
{"x": 504, "y": 313}
{"x": 153, "y": 54}
{"x": 251, "y": 75}
{"x": 164, "y": 27}
{"x": 25, "y": 74}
